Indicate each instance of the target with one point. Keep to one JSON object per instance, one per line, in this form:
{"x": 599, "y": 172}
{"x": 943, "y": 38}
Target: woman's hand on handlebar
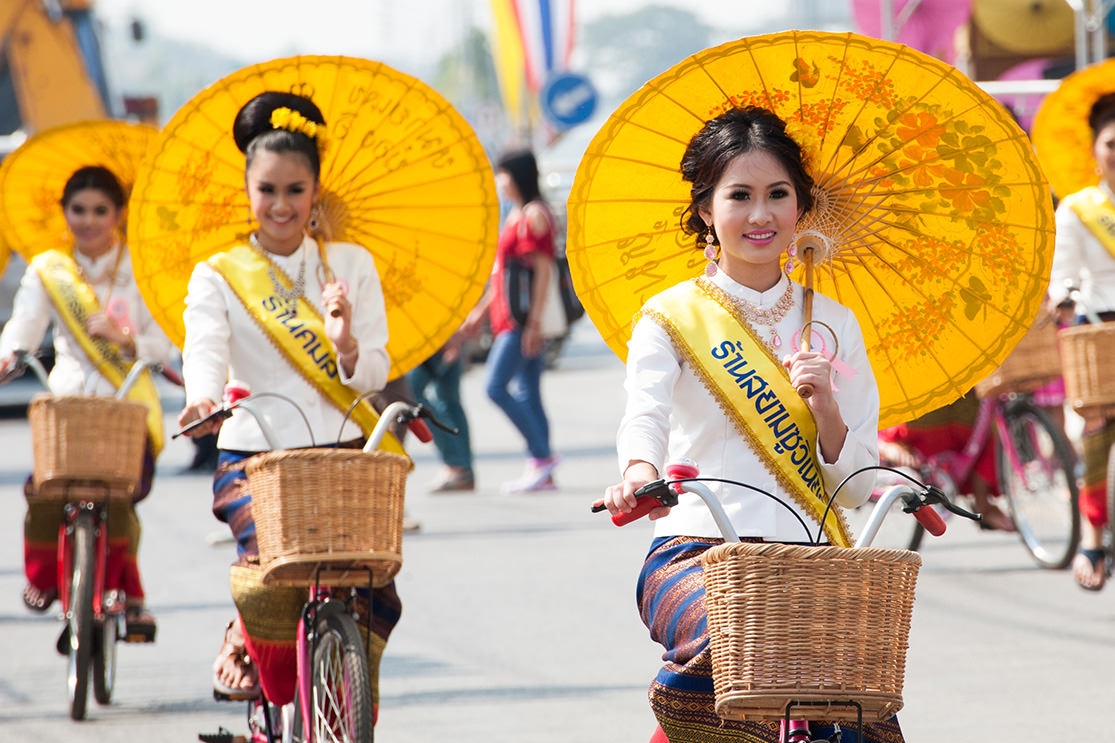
{"x": 620, "y": 498}
{"x": 196, "y": 411}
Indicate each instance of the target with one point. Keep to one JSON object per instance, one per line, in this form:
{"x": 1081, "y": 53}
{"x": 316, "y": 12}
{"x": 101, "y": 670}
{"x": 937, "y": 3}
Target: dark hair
{"x": 253, "y": 129}
{"x": 1102, "y": 113}
{"x": 98, "y": 178}
{"x": 731, "y": 134}
{"x": 523, "y": 169}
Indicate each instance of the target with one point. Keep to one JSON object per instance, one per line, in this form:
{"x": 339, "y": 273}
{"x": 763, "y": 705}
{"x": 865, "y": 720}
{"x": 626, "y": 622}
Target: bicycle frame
{"x": 959, "y": 466}
{"x": 65, "y": 552}
{"x": 307, "y": 637}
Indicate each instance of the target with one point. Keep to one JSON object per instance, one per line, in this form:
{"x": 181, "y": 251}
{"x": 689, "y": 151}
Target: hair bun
{"x": 258, "y": 116}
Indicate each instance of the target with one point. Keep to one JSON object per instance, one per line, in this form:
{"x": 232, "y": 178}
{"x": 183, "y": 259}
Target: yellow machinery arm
{"x": 51, "y": 83}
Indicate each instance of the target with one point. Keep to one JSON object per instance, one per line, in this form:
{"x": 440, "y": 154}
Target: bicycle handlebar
{"x": 21, "y": 361}
{"x": 915, "y": 497}
{"x": 413, "y": 414}
{"x": 24, "y": 360}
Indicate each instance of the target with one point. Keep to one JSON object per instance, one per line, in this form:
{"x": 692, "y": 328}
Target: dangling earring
{"x": 792, "y": 252}
{"x": 314, "y": 223}
{"x": 712, "y": 253}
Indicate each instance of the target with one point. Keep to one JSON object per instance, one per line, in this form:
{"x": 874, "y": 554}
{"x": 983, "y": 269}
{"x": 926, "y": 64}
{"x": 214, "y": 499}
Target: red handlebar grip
{"x": 645, "y": 505}
{"x": 928, "y": 517}
{"x": 420, "y": 430}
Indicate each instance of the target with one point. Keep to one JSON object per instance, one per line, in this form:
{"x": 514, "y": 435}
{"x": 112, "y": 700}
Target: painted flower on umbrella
{"x": 865, "y": 83}
{"x": 903, "y": 333}
{"x": 769, "y": 99}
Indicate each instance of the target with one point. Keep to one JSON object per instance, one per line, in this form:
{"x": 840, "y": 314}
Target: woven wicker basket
{"x": 1035, "y": 361}
{"x": 93, "y": 439}
{"x": 1088, "y": 352}
{"x": 337, "y": 511}
{"x": 808, "y": 624}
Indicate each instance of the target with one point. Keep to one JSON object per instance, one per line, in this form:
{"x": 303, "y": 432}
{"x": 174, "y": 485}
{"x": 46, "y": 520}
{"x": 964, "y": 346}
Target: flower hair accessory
{"x": 292, "y": 121}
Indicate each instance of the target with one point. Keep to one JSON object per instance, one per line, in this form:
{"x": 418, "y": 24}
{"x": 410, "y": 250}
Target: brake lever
{"x": 659, "y": 489}
{"x": 223, "y": 412}
{"x": 934, "y": 494}
{"x": 425, "y": 412}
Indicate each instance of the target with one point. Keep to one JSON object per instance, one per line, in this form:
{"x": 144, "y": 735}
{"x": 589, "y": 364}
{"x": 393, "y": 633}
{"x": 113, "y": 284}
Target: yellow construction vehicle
{"x": 51, "y": 71}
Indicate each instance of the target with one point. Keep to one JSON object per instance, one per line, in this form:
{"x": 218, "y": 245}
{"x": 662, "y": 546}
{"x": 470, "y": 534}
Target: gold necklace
{"x": 108, "y": 273}
{"x": 298, "y": 286}
{"x": 769, "y": 316}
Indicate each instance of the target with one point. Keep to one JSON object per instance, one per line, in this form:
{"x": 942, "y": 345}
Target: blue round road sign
{"x": 568, "y": 99}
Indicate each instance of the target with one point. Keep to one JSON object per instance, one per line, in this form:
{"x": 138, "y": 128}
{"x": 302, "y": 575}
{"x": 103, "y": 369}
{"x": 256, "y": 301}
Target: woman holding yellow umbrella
{"x": 370, "y": 205}
{"x": 238, "y": 308}
{"x": 850, "y": 198}
{"x": 101, "y": 325}
{"x": 1076, "y": 118}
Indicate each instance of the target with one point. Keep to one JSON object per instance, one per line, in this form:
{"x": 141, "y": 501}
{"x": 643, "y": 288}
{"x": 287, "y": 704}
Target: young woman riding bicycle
{"x": 74, "y": 289}
{"x": 245, "y": 308}
{"x": 1084, "y": 257}
{"x": 749, "y": 189}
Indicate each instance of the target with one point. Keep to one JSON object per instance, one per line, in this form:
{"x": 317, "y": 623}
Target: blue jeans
{"x": 443, "y": 379}
{"x": 506, "y": 364}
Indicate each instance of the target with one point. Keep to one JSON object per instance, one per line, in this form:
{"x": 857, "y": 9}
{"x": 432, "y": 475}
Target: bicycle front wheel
{"x": 80, "y": 617}
{"x": 1037, "y": 476}
{"x": 1109, "y": 527}
{"x": 105, "y": 636}
{"x": 341, "y": 701}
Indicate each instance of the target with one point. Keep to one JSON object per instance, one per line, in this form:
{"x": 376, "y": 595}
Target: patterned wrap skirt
{"x": 269, "y": 615}
{"x": 671, "y": 599}
{"x": 41, "y": 530}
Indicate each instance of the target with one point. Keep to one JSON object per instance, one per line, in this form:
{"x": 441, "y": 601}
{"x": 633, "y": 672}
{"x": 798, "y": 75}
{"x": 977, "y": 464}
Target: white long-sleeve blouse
{"x": 224, "y": 342}
{"x": 74, "y": 373}
{"x": 670, "y": 414}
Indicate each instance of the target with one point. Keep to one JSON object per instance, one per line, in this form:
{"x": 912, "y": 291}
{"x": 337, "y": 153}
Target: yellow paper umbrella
{"x": 32, "y": 177}
{"x": 1033, "y": 27}
{"x": 1061, "y": 135}
{"x": 938, "y": 217}
{"x": 5, "y": 255}
{"x": 403, "y": 175}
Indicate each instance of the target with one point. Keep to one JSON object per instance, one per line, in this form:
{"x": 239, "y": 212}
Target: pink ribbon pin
{"x": 815, "y": 340}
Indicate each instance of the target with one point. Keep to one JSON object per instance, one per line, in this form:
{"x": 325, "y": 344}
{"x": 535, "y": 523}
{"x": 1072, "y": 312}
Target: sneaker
{"x": 530, "y": 485}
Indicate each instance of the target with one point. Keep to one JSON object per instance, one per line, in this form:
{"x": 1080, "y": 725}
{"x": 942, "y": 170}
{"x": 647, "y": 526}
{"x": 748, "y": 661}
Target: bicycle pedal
{"x": 138, "y": 639}
{"x": 220, "y": 696}
{"x": 138, "y": 635}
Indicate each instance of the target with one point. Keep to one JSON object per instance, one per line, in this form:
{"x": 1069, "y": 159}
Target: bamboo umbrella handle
{"x": 330, "y": 277}
{"x": 808, "y": 245}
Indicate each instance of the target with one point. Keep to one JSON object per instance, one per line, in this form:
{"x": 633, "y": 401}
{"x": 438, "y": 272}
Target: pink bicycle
{"x": 1036, "y": 468}
{"x": 333, "y": 699}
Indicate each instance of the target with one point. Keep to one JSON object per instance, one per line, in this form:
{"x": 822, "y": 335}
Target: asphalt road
{"x": 519, "y": 621}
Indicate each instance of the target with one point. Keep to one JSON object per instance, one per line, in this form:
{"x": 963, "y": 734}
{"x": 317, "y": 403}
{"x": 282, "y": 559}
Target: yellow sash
{"x": 299, "y": 335}
{"x": 1097, "y": 213}
{"x": 752, "y": 388}
{"x": 75, "y": 301}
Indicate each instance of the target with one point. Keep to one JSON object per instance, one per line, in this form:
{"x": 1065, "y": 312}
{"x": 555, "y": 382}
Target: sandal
{"x": 38, "y": 600}
{"x": 1089, "y": 568}
{"x": 233, "y": 650}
